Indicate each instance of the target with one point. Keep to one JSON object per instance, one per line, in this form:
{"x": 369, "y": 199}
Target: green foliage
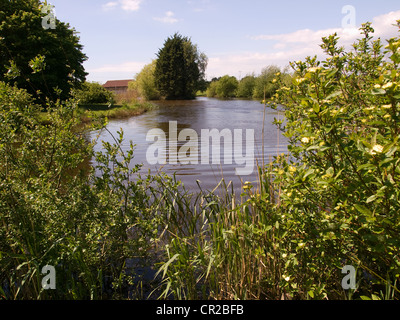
{"x": 246, "y": 87}
{"x": 225, "y": 87}
{"x": 145, "y": 83}
{"x": 47, "y": 63}
{"x": 265, "y": 85}
{"x": 55, "y": 210}
{"x": 92, "y": 93}
{"x": 180, "y": 68}
{"x": 251, "y": 86}
{"x": 341, "y": 188}
{"x": 333, "y": 201}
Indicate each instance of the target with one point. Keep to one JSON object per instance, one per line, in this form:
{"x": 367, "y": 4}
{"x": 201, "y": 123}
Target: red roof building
{"x": 117, "y": 86}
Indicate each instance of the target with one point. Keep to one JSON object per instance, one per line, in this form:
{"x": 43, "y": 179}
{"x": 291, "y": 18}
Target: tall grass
{"x": 226, "y": 247}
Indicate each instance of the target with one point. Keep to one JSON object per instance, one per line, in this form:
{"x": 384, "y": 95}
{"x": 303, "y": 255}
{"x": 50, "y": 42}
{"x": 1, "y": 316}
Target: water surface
{"x": 203, "y": 113}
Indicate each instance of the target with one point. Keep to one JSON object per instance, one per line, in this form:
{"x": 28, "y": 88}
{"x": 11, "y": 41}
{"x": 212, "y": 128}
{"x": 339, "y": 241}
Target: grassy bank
{"x": 87, "y": 113}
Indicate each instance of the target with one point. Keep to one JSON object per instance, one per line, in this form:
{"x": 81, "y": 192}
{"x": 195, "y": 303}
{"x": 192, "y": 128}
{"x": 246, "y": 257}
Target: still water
{"x": 199, "y": 114}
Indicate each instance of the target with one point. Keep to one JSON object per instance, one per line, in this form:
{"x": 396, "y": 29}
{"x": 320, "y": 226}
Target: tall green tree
{"x": 264, "y": 85}
{"x": 180, "y": 68}
{"x": 144, "y": 82}
{"x": 46, "y": 60}
{"x": 246, "y": 87}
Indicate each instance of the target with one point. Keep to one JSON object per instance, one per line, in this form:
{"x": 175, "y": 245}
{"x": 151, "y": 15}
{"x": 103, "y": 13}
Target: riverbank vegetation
{"x": 95, "y": 101}
{"x": 263, "y": 86}
{"x": 332, "y": 201}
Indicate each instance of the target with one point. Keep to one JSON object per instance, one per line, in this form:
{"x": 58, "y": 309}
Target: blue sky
{"x": 239, "y": 37}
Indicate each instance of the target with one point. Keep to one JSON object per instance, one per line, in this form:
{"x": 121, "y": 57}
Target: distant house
{"x": 117, "y": 86}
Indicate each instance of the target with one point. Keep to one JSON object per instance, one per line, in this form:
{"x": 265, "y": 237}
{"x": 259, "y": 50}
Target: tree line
{"x": 178, "y": 72}
{"x": 251, "y": 86}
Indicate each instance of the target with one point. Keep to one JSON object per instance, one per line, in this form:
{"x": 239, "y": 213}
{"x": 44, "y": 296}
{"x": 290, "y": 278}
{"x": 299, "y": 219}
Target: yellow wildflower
{"x": 314, "y": 69}
{"x": 300, "y": 80}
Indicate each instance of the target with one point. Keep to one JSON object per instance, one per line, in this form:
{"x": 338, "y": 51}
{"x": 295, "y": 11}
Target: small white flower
{"x": 387, "y": 85}
{"x": 386, "y": 106}
{"x": 377, "y": 149}
{"x": 305, "y": 140}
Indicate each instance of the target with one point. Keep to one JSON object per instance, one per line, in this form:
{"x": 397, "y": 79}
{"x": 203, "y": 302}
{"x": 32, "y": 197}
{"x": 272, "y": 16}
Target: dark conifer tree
{"x": 180, "y": 68}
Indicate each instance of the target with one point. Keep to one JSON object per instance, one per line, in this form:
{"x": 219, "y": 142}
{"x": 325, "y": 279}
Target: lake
{"x": 234, "y": 118}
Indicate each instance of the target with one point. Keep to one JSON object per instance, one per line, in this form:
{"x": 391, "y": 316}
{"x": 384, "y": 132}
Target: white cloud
{"x": 295, "y": 46}
{"x": 130, "y": 5}
{"x": 168, "y": 18}
{"x": 382, "y": 24}
{"x": 240, "y": 65}
{"x": 110, "y": 5}
{"x": 126, "y": 5}
{"x": 124, "y": 70}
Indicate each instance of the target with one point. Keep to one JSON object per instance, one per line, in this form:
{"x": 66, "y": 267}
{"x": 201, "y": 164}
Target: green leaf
{"x": 375, "y": 297}
{"x": 334, "y": 95}
{"x": 367, "y": 166}
{"x": 267, "y": 228}
{"x": 376, "y": 91}
{"x": 363, "y": 209}
{"x": 372, "y": 198}
{"x": 165, "y": 266}
{"x": 309, "y": 171}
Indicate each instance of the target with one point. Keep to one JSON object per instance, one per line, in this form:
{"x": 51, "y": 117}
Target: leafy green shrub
{"x": 246, "y": 87}
{"x": 225, "y": 87}
{"x": 212, "y": 89}
{"x": 93, "y": 93}
{"x": 340, "y": 189}
{"x": 55, "y": 210}
{"x": 145, "y": 83}
{"x": 265, "y": 85}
